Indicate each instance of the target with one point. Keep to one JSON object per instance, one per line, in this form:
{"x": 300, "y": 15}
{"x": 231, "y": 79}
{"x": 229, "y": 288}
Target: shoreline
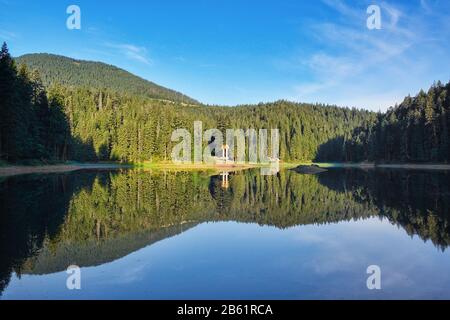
{"x": 14, "y": 170}
{"x": 405, "y": 166}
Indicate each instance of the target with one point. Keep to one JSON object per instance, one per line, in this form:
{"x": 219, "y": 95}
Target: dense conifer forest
{"x": 76, "y": 73}
{"x": 56, "y": 108}
{"x": 417, "y": 130}
{"x": 33, "y": 124}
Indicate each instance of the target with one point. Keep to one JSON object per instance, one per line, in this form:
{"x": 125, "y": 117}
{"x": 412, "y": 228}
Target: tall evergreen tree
{"x": 7, "y": 117}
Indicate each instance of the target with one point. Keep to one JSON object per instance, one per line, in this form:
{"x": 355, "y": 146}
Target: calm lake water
{"x": 184, "y": 235}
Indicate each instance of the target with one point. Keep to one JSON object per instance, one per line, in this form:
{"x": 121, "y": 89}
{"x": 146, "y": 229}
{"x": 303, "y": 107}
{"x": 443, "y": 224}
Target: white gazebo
{"x": 225, "y": 153}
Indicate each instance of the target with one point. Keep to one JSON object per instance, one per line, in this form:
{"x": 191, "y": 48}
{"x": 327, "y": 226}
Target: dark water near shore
{"x": 161, "y": 235}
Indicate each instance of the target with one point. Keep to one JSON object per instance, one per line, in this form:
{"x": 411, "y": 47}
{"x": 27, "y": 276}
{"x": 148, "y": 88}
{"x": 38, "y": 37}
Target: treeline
{"x": 88, "y": 118}
{"x": 132, "y": 129}
{"x": 33, "y": 124}
{"x": 415, "y": 131}
{"x": 93, "y": 123}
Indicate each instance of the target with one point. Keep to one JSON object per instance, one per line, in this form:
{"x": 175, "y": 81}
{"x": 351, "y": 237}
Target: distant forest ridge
{"x": 46, "y": 113}
{"x": 80, "y": 73}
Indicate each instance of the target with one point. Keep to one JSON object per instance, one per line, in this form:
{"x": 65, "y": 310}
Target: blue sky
{"x": 248, "y": 51}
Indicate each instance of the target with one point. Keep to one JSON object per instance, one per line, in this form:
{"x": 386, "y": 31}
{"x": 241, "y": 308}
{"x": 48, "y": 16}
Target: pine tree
{"x": 8, "y": 119}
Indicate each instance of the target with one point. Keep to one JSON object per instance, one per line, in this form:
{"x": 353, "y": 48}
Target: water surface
{"x": 184, "y": 235}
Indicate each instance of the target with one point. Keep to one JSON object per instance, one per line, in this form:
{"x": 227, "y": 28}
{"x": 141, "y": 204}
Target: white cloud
{"x": 368, "y": 68}
{"x": 343, "y": 8}
{"x": 133, "y": 52}
{"x": 424, "y": 4}
{"x": 324, "y": 64}
{"x": 180, "y": 59}
{"x": 7, "y": 35}
{"x": 303, "y": 91}
{"x": 394, "y": 14}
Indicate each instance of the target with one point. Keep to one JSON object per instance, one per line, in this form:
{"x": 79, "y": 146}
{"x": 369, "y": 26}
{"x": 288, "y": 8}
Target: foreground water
{"x": 161, "y": 235}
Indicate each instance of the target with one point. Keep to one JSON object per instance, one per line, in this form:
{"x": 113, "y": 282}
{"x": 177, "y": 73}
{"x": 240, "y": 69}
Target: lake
{"x": 197, "y": 235}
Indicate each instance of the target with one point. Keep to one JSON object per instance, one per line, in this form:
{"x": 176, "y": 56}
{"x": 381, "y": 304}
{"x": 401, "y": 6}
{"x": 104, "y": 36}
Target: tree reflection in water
{"x": 89, "y": 218}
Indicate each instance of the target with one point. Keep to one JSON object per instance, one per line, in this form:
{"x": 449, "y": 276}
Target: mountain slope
{"x": 79, "y": 73}
{"x": 76, "y": 122}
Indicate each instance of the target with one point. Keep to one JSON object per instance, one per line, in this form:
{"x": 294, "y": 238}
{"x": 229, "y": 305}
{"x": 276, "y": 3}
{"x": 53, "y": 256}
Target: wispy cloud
{"x": 394, "y": 15}
{"x": 424, "y": 4}
{"x": 7, "y": 35}
{"x": 343, "y": 8}
{"x": 180, "y": 59}
{"x": 133, "y": 52}
{"x": 360, "y": 67}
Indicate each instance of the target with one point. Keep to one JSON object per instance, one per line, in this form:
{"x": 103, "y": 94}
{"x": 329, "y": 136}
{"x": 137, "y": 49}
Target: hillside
{"x": 79, "y": 73}
{"x": 95, "y": 115}
{"x": 104, "y": 113}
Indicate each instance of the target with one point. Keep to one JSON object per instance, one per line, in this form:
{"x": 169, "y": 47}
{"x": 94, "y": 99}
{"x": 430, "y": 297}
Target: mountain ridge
{"x": 68, "y": 71}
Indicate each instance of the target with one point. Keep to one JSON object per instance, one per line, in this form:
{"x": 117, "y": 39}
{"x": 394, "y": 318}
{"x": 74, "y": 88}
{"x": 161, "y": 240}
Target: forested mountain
{"x": 102, "y": 123}
{"x": 69, "y": 72}
{"x": 91, "y": 111}
{"x": 417, "y": 130}
{"x": 130, "y": 129}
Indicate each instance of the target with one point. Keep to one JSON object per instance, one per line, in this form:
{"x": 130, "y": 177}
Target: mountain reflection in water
{"x": 87, "y": 218}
